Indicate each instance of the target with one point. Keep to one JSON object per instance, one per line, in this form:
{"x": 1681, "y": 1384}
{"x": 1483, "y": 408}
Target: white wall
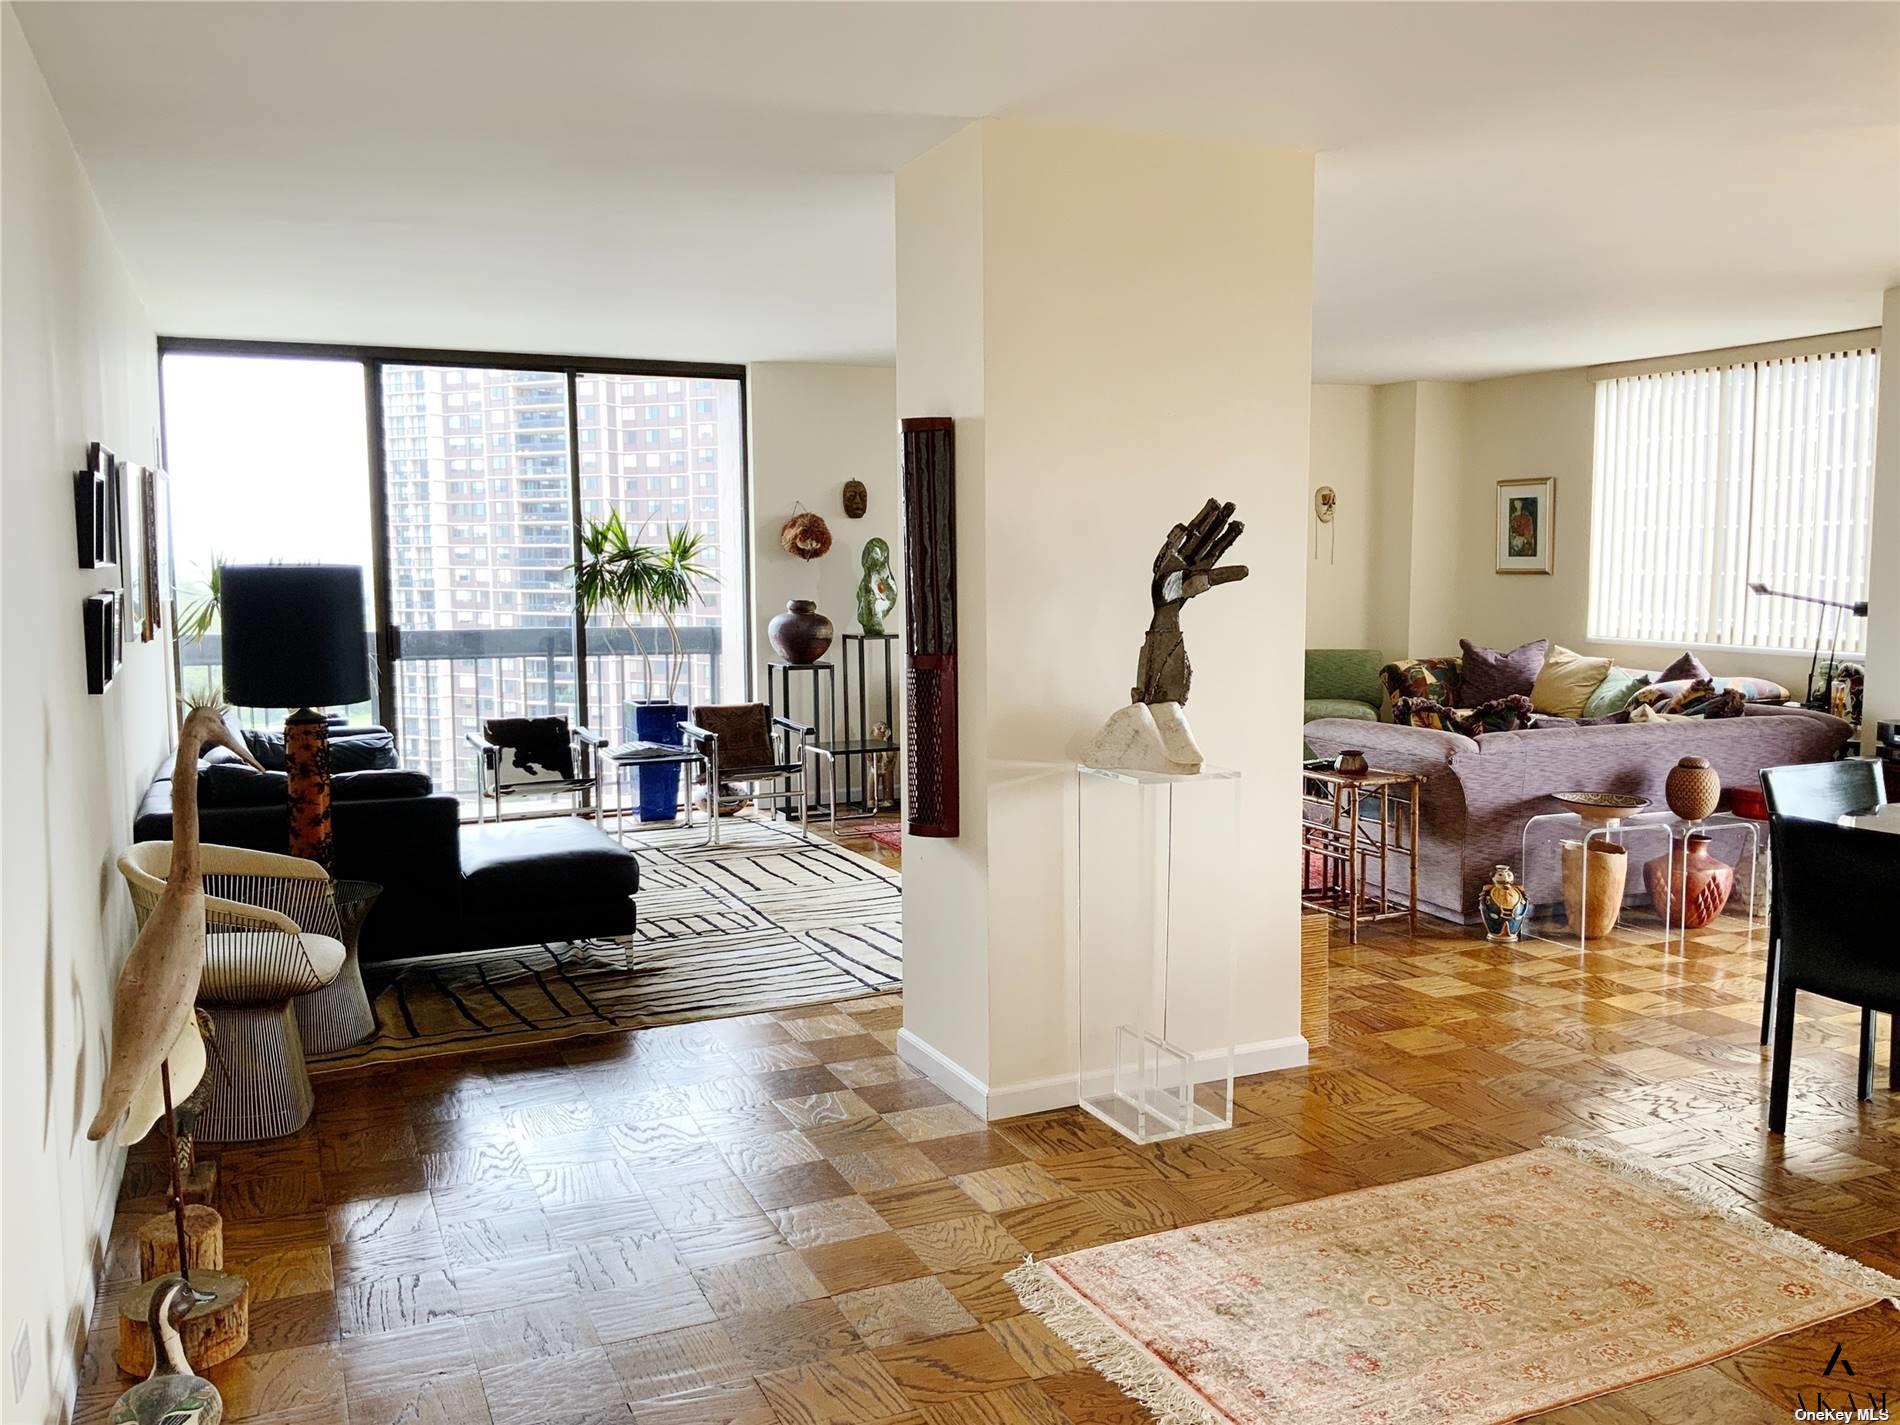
{"x": 1065, "y": 250}
{"x": 1394, "y": 447}
{"x": 1440, "y": 533}
{"x": 940, "y": 372}
{"x": 1882, "y": 700}
{"x": 1340, "y": 567}
{"x": 813, "y": 426}
{"x": 80, "y": 364}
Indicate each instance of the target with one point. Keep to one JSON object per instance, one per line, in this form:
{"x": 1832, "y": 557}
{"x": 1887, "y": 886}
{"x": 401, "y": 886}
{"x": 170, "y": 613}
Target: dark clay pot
{"x": 801, "y": 634}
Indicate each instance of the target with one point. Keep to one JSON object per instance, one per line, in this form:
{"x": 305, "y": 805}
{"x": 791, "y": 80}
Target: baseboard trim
{"x": 943, "y": 1071}
{"x": 1263, "y": 1056}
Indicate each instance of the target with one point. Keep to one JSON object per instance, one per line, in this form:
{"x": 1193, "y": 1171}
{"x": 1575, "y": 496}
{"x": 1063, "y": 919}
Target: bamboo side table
{"x": 1342, "y": 836}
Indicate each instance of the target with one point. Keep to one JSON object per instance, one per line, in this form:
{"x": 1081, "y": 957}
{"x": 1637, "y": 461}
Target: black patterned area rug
{"x": 763, "y": 921}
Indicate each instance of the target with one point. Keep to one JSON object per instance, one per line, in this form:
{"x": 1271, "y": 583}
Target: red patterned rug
{"x": 889, "y": 834}
{"x": 1474, "y": 1297}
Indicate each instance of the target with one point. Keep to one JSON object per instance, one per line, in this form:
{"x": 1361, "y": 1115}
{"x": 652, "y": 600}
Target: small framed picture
{"x": 132, "y": 547}
{"x": 1527, "y": 525}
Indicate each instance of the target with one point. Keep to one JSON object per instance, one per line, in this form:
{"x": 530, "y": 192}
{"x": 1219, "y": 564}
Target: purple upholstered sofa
{"x": 1479, "y": 792}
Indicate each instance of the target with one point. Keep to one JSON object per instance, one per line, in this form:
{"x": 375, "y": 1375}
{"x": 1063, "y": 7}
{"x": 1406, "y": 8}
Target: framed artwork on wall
{"x": 132, "y": 547}
{"x": 1527, "y": 526}
{"x": 96, "y": 508}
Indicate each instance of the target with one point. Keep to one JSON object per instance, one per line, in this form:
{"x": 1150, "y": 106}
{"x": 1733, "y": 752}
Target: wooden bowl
{"x": 1602, "y": 807}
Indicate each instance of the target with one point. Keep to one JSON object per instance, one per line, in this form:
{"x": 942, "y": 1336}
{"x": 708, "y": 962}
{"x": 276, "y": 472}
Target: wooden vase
{"x": 1700, "y": 886}
{"x": 1692, "y": 789}
{"x": 1594, "y": 901}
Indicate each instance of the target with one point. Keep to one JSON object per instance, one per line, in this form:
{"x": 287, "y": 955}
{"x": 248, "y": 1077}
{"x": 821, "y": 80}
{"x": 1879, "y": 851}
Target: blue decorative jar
{"x": 1503, "y": 907}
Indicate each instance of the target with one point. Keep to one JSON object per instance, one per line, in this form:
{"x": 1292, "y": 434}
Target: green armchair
{"x": 1343, "y": 682}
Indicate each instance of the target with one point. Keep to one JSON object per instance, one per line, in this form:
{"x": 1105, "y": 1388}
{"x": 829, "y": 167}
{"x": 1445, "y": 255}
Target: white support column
{"x": 1121, "y": 324}
{"x": 1882, "y": 700}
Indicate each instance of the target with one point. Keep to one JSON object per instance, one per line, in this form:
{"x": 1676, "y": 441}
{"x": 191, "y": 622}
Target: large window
{"x": 486, "y": 470}
{"x": 1711, "y": 480}
{"x": 269, "y": 464}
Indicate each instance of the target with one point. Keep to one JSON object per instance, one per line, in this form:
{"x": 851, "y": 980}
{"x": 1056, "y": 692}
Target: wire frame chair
{"x": 271, "y": 934}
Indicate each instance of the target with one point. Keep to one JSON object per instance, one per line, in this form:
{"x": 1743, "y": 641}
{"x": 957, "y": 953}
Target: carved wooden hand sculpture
{"x": 1187, "y": 566}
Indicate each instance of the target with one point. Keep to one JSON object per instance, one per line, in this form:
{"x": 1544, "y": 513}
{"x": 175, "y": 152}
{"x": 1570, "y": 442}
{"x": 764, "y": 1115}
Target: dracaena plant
{"x": 620, "y": 575}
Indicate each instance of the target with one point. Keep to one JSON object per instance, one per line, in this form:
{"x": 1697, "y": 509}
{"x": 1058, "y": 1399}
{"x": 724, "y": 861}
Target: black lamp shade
{"x": 293, "y": 635}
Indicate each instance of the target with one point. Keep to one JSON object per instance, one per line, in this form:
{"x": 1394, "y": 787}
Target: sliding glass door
{"x": 480, "y": 514}
{"x": 666, "y": 454}
{"x": 462, "y": 483}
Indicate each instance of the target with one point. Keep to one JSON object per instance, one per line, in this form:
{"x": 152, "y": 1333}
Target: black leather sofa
{"x": 446, "y": 887}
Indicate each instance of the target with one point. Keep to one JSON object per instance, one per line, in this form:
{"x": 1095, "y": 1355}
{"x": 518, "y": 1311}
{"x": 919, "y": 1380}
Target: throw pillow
{"x": 1686, "y": 667}
{"x": 1567, "y": 681}
{"x": 1613, "y": 693}
{"x": 1435, "y": 679}
{"x": 1488, "y": 674}
{"x": 1499, "y": 715}
{"x": 1423, "y": 712}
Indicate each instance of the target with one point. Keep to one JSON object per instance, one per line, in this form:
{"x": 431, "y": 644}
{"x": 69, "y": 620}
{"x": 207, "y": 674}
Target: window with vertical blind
{"x": 1709, "y": 480}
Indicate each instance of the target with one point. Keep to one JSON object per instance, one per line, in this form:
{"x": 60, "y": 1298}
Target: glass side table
{"x": 1731, "y": 840}
{"x": 1564, "y": 856}
{"x": 339, "y": 1014}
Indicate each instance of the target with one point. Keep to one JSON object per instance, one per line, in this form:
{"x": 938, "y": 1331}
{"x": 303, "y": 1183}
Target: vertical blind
{"x": 1708, "y": 480}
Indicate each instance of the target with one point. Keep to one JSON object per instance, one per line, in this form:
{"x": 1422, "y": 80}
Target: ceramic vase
{"x": 1351, "y": 763}
{"x": 1503, "y": 907}
{"x": 1692, "y": 789}
{"x": 1594, "y": 899}
{"x": 801, "y": 634}
{"x": 1701, "y": 884}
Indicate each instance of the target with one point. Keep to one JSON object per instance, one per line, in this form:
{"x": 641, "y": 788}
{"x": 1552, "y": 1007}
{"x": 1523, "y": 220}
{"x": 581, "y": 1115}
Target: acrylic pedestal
{"x": 1156, "y": 876}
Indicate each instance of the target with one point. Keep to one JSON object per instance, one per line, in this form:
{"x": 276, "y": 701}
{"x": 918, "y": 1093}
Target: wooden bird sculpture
{"x": 173, "y": 1394}
{"x": 152, "y": 1009}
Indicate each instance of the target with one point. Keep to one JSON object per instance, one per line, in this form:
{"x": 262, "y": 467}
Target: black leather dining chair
{"x": 1829, "y": 944}
{"x": 1816, "y": 791}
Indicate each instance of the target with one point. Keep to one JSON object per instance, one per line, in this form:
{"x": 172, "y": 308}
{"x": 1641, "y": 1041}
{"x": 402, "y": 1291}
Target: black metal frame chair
{"x": 788, "y": 764}
{"x": 1823, "y": 940}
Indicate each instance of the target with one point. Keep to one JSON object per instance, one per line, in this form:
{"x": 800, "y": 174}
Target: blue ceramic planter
{"x": 659, "y": 786}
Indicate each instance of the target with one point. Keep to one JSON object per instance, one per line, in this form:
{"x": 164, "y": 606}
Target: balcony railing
{"x": 449, "y": 681}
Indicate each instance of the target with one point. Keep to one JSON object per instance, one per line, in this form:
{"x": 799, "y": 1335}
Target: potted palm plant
{"x": 620, "y": 575}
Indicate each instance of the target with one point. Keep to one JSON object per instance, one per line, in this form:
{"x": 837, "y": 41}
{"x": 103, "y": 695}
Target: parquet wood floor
{"x": 772, "y": 1221}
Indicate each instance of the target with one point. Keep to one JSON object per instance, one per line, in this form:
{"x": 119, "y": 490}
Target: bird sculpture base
{"x": 1146, "y": 737}
{"x": 212, "y": 1331}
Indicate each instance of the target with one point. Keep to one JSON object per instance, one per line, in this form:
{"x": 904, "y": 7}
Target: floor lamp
{"x": 293, "y": 638}
{"x": 1858, "y": 608}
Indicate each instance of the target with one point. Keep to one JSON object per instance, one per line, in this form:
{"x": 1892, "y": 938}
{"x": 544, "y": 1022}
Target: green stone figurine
{"x": 877, "y": 591}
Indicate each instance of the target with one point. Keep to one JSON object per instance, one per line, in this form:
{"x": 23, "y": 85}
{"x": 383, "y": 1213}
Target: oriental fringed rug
{"x": 1473, "y": 1297}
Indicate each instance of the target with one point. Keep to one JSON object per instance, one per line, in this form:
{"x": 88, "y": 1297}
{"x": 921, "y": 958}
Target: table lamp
{"x": 293, "y": 638}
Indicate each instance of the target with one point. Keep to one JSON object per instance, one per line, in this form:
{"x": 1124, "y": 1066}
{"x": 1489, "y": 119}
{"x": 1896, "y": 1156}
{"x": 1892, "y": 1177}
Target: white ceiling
{"x": 1501, "y": 187}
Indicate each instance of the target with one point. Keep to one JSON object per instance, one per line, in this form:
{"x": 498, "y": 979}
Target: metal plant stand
{"x": 858, "y": 747}
{"x": 778, "y": 696}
